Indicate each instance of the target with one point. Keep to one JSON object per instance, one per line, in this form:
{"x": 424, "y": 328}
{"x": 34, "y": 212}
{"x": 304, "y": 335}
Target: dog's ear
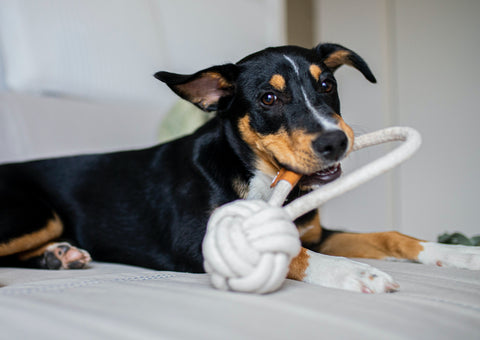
{"x": 208, "y": 89}
{"x": 334, "y": 56}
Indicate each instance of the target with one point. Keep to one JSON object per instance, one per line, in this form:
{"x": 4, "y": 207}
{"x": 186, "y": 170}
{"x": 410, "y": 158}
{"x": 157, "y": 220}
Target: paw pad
{"x": 65, "y": 256}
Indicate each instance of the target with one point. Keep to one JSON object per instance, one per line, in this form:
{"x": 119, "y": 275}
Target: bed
{"x": 112, "y": 301}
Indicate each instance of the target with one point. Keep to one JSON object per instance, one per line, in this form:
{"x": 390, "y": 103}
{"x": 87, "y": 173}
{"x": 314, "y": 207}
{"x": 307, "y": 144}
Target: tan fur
{"x": 195, "y": 89}
{"x": 265, "y": 162}
{"x": 23, "y": 256}
{"x": 278, "y": 82}
{"x": 222, "y": 83}
{"x": 299, "y": 265}
{"x": 337, "y": 58}
{"x": 372, "y": 245}
{"x": 315, "y": 70}
{"x": 52, "y": 230}
{"x": 348, "y": 131}
{"x": 240, "y": 187}
{"x": 310, "y": 231}
{"x": 293, "y": 149}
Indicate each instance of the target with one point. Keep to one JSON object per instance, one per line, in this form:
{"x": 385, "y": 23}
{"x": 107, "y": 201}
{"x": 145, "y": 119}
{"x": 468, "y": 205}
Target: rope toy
{"x": 249, "y": 244}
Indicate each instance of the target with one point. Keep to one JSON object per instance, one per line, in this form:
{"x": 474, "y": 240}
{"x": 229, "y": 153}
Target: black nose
{"x": 331, "y": 145}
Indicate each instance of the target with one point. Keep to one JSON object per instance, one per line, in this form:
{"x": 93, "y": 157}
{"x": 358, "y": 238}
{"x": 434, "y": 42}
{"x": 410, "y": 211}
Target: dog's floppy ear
{"x": 334, "y": 56}
{"x": 207, "y": 88}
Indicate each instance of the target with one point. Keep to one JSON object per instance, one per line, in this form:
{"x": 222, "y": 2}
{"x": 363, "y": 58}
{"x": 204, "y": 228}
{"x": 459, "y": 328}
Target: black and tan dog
{"x": 277, "y": 108}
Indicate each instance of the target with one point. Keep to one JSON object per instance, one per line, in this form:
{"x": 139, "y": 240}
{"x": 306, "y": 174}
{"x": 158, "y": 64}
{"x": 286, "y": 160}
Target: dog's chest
{"x": 259, "y": 187}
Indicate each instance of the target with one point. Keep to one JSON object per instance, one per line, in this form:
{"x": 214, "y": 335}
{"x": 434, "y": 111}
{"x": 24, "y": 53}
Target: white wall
{"x": 80, "y": 72}
{"x": 424, "y": 54}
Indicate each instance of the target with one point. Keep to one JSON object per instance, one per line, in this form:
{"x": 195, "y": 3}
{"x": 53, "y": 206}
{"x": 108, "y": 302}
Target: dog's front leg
{"x": 446, "y": 255}
{"x": 339, "y": 272}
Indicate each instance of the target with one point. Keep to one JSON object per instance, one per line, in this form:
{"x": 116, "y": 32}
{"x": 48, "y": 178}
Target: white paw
{"x": 446, "y": 255}
{"x": 340, "y": 272}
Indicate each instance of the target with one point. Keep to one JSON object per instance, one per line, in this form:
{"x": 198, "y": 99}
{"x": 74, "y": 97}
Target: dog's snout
{"x": 332, "y": 145}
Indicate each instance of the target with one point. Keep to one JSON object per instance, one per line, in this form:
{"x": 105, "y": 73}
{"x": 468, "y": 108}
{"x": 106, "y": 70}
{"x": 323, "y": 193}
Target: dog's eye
{"x": 269, "y": 99}
{"x": 326, "y": 86}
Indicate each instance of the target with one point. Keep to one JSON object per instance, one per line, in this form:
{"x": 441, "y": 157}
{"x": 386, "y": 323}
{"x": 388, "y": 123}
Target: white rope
{"x": 248, "y": 245}
{"x": 375, "y": 168}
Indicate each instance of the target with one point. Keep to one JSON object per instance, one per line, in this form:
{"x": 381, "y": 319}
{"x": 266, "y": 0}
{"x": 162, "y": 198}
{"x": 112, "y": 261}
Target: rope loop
{"x": 248, "y": 245}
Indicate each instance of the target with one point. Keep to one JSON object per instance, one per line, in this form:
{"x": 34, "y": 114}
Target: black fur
{"x": 150, "y": 207}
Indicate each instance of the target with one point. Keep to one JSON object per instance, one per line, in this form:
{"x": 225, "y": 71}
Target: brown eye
{"x": 326, "y": 86}
{"x": 269, "y": 99}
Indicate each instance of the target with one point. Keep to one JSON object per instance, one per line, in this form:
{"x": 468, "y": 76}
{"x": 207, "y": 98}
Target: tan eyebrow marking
{"x": 278, "y": 82}
{"x": 315, "y": 71}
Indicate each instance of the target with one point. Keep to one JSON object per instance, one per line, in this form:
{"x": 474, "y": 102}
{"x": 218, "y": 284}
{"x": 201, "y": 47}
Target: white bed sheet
{"x": 110, "y": 301}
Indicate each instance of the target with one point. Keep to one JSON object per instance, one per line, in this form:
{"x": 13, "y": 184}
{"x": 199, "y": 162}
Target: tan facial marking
{"x": 288, "y": 148}
{"x": 265, "y": 162}
{"x": 52, "y": 230}
{"x": 348, "y": 131}
{"x": 315, "y": 70}
{"x": 278, "y": 82}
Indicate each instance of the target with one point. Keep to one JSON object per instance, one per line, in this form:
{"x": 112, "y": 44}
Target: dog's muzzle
{"x": 331, "y": 146}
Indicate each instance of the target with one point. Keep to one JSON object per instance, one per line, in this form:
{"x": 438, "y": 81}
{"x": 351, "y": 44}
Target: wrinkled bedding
{"x": 110, "y": 301}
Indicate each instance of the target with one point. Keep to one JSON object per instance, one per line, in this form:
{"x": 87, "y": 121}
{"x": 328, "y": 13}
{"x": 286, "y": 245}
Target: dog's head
{"x": 283, "y": 103}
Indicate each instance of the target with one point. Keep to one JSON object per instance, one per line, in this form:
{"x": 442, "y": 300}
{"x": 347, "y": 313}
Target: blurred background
{"x": 76, "y": 77}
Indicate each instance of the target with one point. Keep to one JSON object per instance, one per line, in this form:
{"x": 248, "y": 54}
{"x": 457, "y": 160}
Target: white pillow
{"x": 93, "y": 49}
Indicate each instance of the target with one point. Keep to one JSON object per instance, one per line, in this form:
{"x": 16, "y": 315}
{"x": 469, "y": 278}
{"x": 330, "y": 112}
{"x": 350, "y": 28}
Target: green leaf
{"x": 475, "y": 240}
{"x": 455, "y": 238}
{"x": 443, "y": 238}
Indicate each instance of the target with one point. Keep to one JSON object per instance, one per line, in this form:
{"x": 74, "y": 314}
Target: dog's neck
{"x": 259, "y": 181}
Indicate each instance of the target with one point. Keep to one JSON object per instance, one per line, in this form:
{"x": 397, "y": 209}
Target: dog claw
{"x": 392, "y": 287}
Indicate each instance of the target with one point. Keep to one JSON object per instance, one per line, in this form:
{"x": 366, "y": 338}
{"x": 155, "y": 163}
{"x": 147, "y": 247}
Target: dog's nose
{"x": 331, "y": 145}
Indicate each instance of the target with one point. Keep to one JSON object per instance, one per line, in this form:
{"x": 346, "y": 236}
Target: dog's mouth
{"x": 323, "y": 176}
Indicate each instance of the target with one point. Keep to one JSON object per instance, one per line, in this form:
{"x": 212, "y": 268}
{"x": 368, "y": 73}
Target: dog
{"x": 276, "y": 108}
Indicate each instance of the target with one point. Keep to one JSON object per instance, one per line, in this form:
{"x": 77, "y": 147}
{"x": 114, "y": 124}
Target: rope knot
{"x": 249, "y": 245}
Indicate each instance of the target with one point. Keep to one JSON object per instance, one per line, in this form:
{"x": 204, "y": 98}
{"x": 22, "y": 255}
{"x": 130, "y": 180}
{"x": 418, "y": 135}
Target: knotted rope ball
{"x": 249, "y": 244}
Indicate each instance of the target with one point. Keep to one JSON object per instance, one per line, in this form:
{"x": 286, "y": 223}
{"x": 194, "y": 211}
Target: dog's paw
{"x": 340, "y": 272}
{"x": 65, "y": 256}
{"x": 446, "y": 255}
